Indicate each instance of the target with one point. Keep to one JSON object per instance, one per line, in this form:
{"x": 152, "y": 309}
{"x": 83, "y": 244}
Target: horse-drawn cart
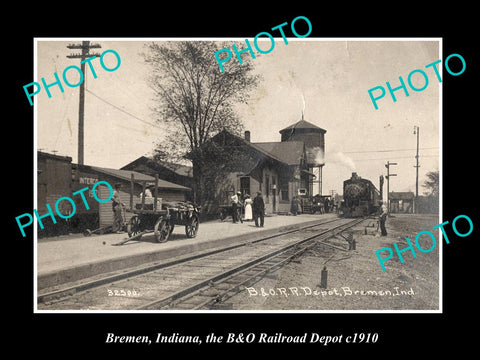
{"x": 151, "y": 214}
{"x": 162, "y": 222}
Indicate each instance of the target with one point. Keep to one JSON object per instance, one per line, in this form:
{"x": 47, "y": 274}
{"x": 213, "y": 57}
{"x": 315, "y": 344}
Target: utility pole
{"x": 387, "y": 165}
{"x": 85, "y": 46}
{"x": 416, "y": 130}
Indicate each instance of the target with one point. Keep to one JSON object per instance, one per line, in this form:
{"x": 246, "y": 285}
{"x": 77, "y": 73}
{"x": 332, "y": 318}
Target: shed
{"x": 401, "y": 201}
{"x": 175, "y": 173}
{"x": 86, "y": 175}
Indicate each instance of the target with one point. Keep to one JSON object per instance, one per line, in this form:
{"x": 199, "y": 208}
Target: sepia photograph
{"x": 279, "y": 173}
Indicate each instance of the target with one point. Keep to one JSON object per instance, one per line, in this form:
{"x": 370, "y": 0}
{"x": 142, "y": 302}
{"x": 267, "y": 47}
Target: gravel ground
{"x": 355, "y": 280}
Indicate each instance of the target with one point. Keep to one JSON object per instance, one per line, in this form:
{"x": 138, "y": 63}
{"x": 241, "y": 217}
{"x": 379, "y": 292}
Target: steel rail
{"x": 195, "y": 290}
{"x": 139, "y": 270}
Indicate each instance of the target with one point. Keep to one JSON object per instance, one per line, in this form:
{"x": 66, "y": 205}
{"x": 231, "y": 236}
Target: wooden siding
{"x": 54, "y": 181}
{"x": 106, "y": 211}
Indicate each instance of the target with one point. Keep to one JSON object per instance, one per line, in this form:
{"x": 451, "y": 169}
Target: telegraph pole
{"x": 387, "y": 165}
{"x": 85, "y": 46}
{"x": 416, "y": 130}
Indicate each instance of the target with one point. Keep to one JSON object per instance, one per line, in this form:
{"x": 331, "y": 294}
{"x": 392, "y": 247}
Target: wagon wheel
{"x": 133, "y": 226}
{"x": 220, "y": 214}
{"x": 191, "y": 228}
{"x": 161, "y": 230}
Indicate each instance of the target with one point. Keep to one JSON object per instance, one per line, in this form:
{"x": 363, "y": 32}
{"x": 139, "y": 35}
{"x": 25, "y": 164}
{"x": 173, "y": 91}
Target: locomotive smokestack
{"x": 247, "y": 136}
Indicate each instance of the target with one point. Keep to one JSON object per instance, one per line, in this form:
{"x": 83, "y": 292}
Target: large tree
{"x": 195, "y": 99}
{"x": 430, "y": 202}
{"x": 432, "y": 184}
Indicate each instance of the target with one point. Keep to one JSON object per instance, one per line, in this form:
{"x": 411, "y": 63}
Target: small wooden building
{"x": 57, "y": 177}
{"x": 401, "y": 202}
{"x": 175, "y": 173}
{"x": 89, "y": 175}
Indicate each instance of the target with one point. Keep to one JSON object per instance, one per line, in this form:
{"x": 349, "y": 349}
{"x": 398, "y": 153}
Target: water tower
{"x": 314, "y": 139}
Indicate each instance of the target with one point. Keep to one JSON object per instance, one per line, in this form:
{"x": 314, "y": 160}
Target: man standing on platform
{"x": 235, "y": 206}
{"x": 117, "y": 207}
{"x": 258, "y": 209}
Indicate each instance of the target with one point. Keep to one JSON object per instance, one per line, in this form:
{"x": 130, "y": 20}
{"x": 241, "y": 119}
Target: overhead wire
{"x": 390, "y": 150}
{"x": 397, "y": 157}
{"x": 122, "y": 110}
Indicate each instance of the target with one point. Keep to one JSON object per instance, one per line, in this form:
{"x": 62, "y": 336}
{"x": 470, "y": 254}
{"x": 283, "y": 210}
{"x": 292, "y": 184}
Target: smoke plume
{"x": 317, "y": 154}
{"x": 340, "y": 158}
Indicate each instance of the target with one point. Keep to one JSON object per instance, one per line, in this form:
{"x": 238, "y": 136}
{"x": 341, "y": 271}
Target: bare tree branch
{"x": 194, "y": 98}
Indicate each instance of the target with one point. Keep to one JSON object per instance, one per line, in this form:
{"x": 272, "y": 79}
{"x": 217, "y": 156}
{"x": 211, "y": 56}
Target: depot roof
{"x": 406, "y": 195}
{"x": 138, "y": 177}
{"x": 290, "y": 152}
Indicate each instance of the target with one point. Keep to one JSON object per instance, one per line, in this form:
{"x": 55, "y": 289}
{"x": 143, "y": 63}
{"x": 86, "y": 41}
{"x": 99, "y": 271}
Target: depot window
{"x": 245, "y": 185}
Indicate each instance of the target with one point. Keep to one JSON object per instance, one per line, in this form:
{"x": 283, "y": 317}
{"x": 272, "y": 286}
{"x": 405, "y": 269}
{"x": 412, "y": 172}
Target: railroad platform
{"x": 70, "y": 258}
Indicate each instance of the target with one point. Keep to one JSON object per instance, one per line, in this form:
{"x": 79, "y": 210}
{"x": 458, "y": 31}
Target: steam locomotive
{"x": 360, "y": 197}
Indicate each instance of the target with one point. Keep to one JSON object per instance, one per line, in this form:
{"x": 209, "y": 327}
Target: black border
{"x": 61, "y": 335}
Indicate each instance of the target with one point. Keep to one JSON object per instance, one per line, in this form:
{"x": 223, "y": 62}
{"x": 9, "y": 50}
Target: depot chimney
{"x": 247, "y": 136}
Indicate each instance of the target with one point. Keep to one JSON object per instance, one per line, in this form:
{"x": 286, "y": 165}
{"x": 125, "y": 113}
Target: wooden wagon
{"x": 153, "y": 215}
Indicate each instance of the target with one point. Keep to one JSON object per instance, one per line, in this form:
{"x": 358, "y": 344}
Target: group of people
{"x": 254, "y": 209}
{"x": 322, "y": 205}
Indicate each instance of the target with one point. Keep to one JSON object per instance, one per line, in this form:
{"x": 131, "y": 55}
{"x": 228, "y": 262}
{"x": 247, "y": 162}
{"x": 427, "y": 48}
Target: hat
{"x": 239, "y": 193}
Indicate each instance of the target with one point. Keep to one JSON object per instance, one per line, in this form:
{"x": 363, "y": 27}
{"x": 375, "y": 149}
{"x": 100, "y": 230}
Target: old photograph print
{"x": 233, "y": 175}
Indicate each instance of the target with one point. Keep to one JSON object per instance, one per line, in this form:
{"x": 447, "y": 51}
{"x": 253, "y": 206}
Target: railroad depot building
{"x": 280, "y": 170}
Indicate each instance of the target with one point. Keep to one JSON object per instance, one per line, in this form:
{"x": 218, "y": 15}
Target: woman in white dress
{"x": 248, "y": 208}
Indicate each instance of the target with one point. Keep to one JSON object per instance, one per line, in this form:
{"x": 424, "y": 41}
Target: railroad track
{"x": 198, "y": 282}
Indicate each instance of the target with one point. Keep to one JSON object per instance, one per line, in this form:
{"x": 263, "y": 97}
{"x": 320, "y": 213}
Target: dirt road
{"x": 355, "y": 279}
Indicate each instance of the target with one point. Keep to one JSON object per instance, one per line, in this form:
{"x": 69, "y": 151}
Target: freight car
{"x": 360, "y": 197}
{"x": 54, "y": 180}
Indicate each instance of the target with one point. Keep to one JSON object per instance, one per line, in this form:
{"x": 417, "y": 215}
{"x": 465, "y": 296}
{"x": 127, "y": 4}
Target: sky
{"x": 325, "y": 79}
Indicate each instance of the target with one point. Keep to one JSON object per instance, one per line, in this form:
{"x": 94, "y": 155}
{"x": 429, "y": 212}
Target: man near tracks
{"x": 258, "y": 209}
{"x": 383, "y": 218}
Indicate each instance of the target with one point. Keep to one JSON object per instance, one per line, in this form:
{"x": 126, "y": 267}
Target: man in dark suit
{"x": 258, "y": 208}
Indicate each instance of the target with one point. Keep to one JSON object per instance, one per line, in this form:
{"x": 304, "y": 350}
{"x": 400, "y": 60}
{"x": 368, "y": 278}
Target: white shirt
{"x": 384, "y": 209}
{"x": 148, "y": 193}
